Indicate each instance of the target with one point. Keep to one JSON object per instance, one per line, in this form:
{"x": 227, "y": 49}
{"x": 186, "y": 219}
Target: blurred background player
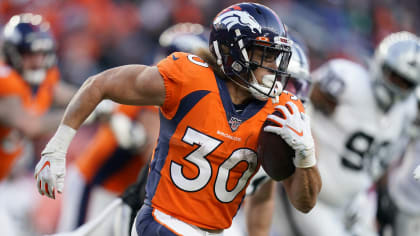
{"x": 399, "y": 193}
{"x": 359, "y": 120}
{"x": 120, "y": 148}
{"x": 29, "y": 86}
{"x": 111, "y": 162}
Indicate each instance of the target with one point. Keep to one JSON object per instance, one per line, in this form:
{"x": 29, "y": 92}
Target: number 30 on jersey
{"x": 206, "y": 145}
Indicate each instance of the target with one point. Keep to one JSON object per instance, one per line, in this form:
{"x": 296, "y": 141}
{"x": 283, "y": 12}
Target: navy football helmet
{"x": 28, "y": 34}
{"x": 239, "y": 30}
{"x": 183, "y": 37}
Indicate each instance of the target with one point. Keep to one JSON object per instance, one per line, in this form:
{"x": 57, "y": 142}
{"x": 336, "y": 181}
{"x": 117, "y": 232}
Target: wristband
{"x": 61, "y": 139}
{"x": 305, "y": 158}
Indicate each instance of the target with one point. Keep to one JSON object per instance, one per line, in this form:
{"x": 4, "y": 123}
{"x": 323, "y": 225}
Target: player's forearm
{"x": 259, "y": 210}
{"x": 32, "y": 126}
{"x": 83, "y": 103}
{"x": 303, "y": 188}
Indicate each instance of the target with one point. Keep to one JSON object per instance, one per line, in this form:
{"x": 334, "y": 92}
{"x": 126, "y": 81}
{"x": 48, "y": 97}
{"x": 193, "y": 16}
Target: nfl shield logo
{"x": 234, "y": 123}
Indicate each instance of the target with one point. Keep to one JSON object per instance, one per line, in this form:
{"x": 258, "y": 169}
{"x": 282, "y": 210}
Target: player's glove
{"x": 129, "y": 134}
{"x": 51, "y": 169}
{"x": 417, "y": 173}
{"x": 295, "y": 129}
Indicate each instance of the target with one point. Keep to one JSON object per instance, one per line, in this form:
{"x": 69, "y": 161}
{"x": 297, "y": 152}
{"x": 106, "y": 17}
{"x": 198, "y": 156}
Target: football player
{"x": 211, "y": 111}
{"x": 29, "y": 86}
{"x": 398, "y": 208}
{"x": 358, "y": 122}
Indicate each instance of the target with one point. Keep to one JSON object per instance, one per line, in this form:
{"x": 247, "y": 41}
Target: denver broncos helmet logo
{"x": 234, "y": 17}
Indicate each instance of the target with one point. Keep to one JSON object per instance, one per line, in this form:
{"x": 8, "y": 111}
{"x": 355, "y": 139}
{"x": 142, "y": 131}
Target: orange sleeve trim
{"x": 290, "y": 97}
{"x": 129, "y": 110}
{"x": 168, "y": 95}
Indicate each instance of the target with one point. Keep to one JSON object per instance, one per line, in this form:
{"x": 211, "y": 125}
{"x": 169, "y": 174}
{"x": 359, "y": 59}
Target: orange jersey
{"x": 206, "y": 152}
{"x": 103, "y": 163}
{"x": 13, "y": 85}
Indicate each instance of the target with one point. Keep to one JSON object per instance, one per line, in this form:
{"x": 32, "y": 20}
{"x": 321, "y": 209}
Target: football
{"x": 275, "y": 155}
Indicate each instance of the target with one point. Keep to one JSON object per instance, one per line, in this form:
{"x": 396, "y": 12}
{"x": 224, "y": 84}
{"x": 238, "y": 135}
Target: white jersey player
{"x": 404, "y": 194}
{"x": 359, "y": 120}
{"x": 399, "y": 208}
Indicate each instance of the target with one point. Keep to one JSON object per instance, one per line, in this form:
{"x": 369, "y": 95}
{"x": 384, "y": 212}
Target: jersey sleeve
{"x": 172, "y": 70}
{"x": 132, "y": 111}
{"x": 290, "y": 97}
{"x": 128, "y": 110}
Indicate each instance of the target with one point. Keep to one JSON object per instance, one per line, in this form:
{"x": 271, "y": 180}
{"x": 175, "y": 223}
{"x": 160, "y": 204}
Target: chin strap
{"x": 269, "y": 87}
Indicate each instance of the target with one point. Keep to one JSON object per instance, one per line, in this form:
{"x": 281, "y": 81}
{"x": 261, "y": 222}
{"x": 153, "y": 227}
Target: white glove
{"x": 51, "y": 169}
{"x": 295, "y": 129}
{"x": 417, "y": 173}
{"x": 129, "y": 134}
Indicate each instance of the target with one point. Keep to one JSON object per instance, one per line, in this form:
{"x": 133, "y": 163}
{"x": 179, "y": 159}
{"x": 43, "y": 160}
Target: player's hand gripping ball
{"x": 274, "y": 154}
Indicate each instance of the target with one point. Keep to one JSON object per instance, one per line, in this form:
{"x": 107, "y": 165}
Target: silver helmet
{"x": 299, "y": 82}
{"x": 396, "y": 68}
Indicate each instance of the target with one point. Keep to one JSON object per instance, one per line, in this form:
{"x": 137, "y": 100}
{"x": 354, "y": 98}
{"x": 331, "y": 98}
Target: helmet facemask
{"x": 254, "y": 56}
{"x": 391, "y": 87}
{"x": 271, "y": 84}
